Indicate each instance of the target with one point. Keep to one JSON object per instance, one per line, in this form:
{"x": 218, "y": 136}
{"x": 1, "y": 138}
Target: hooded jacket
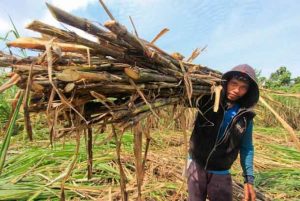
{"x": 204, "y": 148}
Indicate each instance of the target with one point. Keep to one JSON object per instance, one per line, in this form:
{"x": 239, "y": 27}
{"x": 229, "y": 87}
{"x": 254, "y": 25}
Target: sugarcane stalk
{"x": 85, "y": 25}
{"x": 142, "y": 107}
{"x": 143, "y": 97}
{"x": 144, "y": 76}
{"x": 25, "y": 105}
{"x": 281, "y": 93}
{"x": 61, "y": 96}
{"x": 95, "y": 67}
{"x": 6, "y": 60}
{"x": 202, "y": 70}
{"x": 122, "y": 32}
{"x": 27, "y": 67}
{"x": 37, "y": 87}
{"x": 69, "y": 75}
{"x": 15, "y": 78}
{"x": 116, "y": 87}
{"x": 106, "y": 10}
{"x": 39, "y": 107}
{"x": 123, "y": 114}
{"x": 148, "y": 140}
{"x": 123, "y": 178}
{"x": 39, "y": 44}
{"x": 73, "y": 37}
{"x": 158, "y": 103}
{"x": 209, "y": 77}
{"x": 159, "y": 35}
{"x": 165, "y": 62}
{"x": 69, "y": 87}
{"x": 90, "y": 151}
{"x": 217, "y": 91}
{"x": 134, "y": 120}
{"x": 138, "y": 141}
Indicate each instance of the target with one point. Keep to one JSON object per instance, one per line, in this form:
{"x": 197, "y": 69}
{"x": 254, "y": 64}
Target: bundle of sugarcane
{"x": 120, "y": 78}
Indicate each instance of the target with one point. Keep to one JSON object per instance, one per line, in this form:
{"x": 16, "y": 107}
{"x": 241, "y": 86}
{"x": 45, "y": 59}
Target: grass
{"x": 33, "y": 170}
{"x": 277, "y": 164}
{"x": 5, "y": 106}
{"x": 30, "y": 170}
{"x": 287, "y": 107}
{"x": 281, "y": 180}
{"x": 9, "y": 132}
{"x": 31, "y": 167}
{"x": 283, "y": 184}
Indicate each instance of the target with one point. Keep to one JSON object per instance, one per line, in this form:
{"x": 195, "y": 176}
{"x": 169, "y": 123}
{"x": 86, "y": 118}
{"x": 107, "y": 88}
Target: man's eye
{"x": 244, "y": 88}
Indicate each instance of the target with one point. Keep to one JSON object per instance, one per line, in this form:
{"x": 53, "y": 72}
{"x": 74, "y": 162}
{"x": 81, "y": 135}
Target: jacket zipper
{"x": 225, "y": 135}
{"x": 214, "y": 148}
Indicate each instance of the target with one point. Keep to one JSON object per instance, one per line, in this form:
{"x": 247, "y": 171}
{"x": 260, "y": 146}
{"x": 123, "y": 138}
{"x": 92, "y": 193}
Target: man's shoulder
{"x": 203, "y": 101}
{"x": 246, "y": 114}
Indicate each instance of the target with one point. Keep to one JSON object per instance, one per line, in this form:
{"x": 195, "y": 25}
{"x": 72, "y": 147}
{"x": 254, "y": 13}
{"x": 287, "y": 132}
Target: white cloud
{"x": 67, "y": 6}
{"x": 70, "y": 5}
{"x": 4, "y": 25}
{"x": 49, "y": 19}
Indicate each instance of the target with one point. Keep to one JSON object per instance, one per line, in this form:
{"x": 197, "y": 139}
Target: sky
{"x": 262, "y": 33}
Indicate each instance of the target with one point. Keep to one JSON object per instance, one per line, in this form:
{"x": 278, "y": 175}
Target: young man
{"x": 218, "y": 137}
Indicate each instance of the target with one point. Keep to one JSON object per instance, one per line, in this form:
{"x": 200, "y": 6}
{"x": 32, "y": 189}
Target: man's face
{"x": 236, "y": 89}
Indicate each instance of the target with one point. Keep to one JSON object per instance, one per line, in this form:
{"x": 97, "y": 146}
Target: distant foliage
{"x": 295, "y": 88}
{"x": 297, "y": 80}
{"x": 287, "y": 107}
{"x": 280, "y": 78}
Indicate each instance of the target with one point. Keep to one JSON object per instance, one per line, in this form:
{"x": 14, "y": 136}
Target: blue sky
{"x": 262, "y": 33}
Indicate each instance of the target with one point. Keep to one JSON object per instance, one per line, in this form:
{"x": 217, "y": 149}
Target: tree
{"x": 281, "y": 78}
{"x": 297, "y": 80}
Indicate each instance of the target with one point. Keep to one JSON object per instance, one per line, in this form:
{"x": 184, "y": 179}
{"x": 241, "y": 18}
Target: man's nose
{"x": 236, "y": 89}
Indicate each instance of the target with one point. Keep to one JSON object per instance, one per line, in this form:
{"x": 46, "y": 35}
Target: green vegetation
{"x": 277, "y": 164}
{"x": 35, "y": 170}
{"x": 5, "y": 98}
{"x": 281, "y": 80}
{"x": 280, "y": 180}
{"x": 9, "y": 131}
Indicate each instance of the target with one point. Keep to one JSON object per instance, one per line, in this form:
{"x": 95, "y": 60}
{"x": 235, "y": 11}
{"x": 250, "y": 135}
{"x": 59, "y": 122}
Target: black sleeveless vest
{"x": 203, "y": 147}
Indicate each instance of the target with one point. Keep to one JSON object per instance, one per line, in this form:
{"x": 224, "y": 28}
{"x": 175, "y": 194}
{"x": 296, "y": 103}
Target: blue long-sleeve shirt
{"x": 247, "y": 150}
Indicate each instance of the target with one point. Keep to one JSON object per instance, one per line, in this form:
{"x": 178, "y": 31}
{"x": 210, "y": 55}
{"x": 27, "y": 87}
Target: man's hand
{"x": 249, "y": 193}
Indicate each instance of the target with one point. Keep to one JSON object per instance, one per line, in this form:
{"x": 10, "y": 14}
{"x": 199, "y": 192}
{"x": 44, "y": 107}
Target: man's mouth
{"x": 234, "y": 96}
